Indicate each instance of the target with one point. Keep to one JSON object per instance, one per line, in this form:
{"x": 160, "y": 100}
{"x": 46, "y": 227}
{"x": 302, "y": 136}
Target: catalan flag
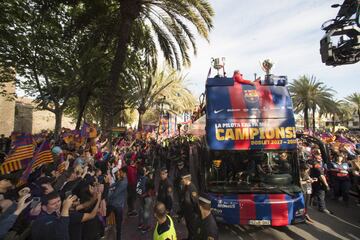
{"x": 43, "y": 155}
{"x": 62, "y": 164}
{"x": 68, "y": 137}
{"x": 21, "y": 155}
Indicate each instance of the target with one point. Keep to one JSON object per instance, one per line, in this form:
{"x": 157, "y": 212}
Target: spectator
{"x": 53, "y": 224}
{"x": 71, "y": 183}
{"x": 5, "y": 184}
{"x": 78, "y": 216}
{"x": 145, "y": 189}
{"x": 306, "y": 187}
{"x": 8, "y": 218}
{"x": 341, "y": 178}
{"x": 116, "y": 199}
{"x": 132, "y": 180}
{"x": 355, "y": 170}
{"x": 320, "y": 185}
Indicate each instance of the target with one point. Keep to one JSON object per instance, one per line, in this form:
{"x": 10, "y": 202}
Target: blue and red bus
{"x": 247, "y": 161}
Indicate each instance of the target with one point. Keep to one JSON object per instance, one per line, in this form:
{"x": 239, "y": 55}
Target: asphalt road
{"x": 344, "y": 223}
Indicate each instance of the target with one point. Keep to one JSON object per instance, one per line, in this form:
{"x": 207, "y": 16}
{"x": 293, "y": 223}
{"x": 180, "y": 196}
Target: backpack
{"x": 140, "y": 185}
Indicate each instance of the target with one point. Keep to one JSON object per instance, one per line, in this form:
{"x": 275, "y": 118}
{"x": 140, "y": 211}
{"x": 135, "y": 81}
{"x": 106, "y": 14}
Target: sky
{"x": 286, "y": 31}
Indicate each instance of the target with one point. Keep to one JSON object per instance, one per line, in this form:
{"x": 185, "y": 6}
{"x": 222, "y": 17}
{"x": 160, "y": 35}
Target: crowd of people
{"x": 334, "y": 176}
{"x": 91, "y": 187}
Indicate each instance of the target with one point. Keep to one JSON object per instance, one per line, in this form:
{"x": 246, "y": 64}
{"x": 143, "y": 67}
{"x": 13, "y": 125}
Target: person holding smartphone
{"x": 53, "y": 221}
{"x": 306, "y": 182}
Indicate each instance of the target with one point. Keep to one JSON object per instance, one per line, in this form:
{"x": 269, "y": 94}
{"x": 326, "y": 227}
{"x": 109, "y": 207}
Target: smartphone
{"x": 35, "y": 202}
{"x": 114, "y": 170}
{"x": 68, "y": 193}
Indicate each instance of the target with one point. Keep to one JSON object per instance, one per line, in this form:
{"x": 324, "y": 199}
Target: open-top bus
{"x": 247, "y": 161}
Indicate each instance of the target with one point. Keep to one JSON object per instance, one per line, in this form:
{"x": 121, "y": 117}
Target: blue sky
{"x": 286, "y": 31}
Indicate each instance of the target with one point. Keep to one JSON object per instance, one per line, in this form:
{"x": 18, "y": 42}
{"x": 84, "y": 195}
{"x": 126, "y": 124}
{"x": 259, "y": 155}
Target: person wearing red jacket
{"x": 132, "y": 180}
{"x": 238, "y": 77}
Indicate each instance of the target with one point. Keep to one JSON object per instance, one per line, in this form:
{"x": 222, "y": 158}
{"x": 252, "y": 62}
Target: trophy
{"x": 271, "y": 79}
{"x": 218, "y": 63}
{"x": 266, "y": 66}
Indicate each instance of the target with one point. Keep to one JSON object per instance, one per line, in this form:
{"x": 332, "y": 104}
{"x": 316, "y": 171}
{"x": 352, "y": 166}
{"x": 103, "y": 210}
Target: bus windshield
{"x": 251, "y": 171}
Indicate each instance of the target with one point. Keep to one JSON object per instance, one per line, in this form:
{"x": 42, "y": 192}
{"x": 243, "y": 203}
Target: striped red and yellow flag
{"x": 44, "y": 156}
{"x": 8, "y": 167}
{"x": 21, "y": 154}
{"x": 61, "y": 167}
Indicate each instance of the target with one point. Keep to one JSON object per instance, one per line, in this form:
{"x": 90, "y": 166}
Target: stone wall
{"x": 39, "y": 119}
{"x": 21, "y": 115}
{"x": 7, "y": 111}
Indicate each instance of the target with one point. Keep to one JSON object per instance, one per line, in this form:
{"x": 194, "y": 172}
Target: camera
{"x": 341, "y": 43}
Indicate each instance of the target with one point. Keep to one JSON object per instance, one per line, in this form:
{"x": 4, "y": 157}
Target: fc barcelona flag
{"x": 21, "y": 154}
{"x": 44, "y": 155}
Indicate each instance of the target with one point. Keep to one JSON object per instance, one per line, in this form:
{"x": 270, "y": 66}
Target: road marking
{"x": 234, "y": 232}
{"x": 354, "y": 237}
{"x": 301, "y": 232}
{"x": 328, "y": 230}
{"x": 346, "y": 222}
{"x": 240, "y": 228}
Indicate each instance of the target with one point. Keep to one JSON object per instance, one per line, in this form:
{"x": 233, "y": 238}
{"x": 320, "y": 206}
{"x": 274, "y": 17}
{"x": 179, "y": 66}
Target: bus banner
{"x": 241, "y": 134}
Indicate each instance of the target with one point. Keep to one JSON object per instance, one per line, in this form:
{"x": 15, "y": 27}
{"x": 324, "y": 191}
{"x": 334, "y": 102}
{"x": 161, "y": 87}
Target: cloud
{"x": 288, "y": 32}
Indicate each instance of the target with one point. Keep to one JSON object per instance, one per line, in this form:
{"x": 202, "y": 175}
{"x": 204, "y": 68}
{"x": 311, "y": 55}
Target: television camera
{"x": 345, "y": 29}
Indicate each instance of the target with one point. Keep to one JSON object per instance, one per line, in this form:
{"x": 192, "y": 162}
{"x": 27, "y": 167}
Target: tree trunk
{"x": 313, "y": 119}
{"x": 358, "y": 111}
{"x": 140, "y": 122}
{"x": 141, "y": 111}
{"x": 333, "y": 123}
{"x": 306, "y": 118}
{"x": 129, "y": 11}
{"x": 83, "y": 100}
{"x": 58, "y": 118}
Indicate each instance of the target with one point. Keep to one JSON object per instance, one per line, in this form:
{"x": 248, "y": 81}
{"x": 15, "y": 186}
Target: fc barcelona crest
{"x": 251, "y": 95}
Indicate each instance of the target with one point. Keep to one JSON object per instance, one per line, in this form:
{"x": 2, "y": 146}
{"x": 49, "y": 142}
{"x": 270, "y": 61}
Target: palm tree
{"x": 321, "y": 97}
{"x": 338, "y": 109}
{"x": 165, "y": 87}
{"x": 354, "y": 100}
{"x": 310, "y": 94}
{"x": 169, "y": 21}
{"x": 344, "y": 112}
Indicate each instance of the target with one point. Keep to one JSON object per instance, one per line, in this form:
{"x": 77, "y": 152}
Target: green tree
{"x": 35, "y": 41}
{"x": 164, "y": 87}
{"x": 57, "y": 62}
{"x": 354, "y": 101}
{"x": 309, "y": 94}
{"x": 7, "y": 75}
{"x": 163, "y": 21}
